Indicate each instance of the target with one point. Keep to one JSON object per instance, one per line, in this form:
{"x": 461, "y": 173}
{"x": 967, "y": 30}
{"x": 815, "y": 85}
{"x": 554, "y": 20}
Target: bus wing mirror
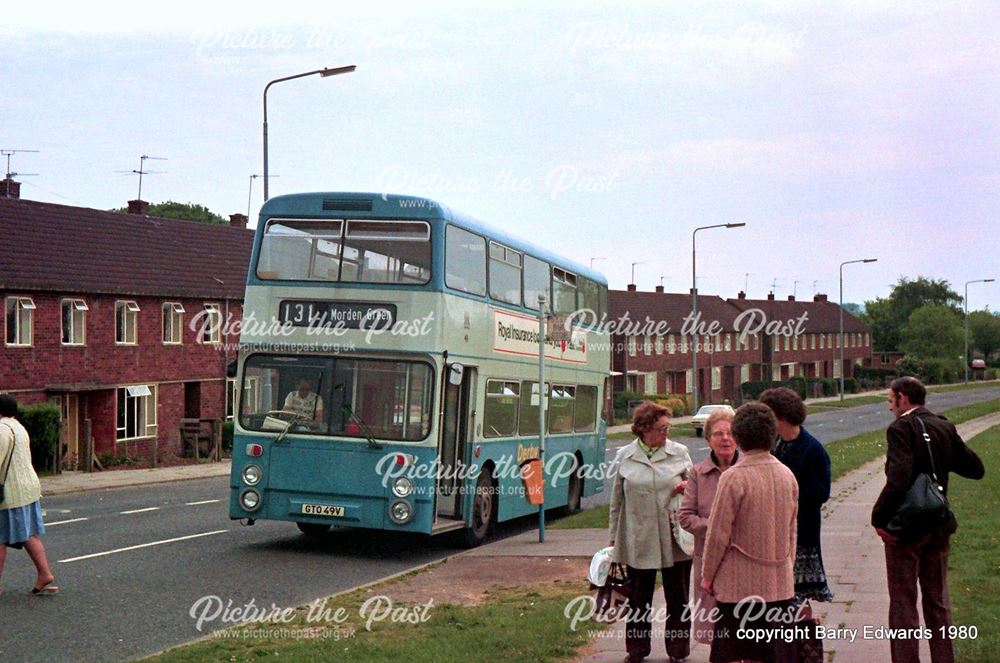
{"x": 455, "y": 373}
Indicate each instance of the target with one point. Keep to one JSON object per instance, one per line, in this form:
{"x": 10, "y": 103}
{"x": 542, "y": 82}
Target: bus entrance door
{"x": 457, "y": 423}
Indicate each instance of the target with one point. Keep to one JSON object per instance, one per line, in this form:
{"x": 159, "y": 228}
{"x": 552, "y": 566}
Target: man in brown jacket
{"x": 926, "y": 558}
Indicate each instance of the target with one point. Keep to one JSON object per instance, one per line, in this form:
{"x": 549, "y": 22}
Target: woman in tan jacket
{"x": 648, "y": 473}
{"x": 696, "y": 507}
{"x": 21, "y": 511}
{"x": 750, "y": 549}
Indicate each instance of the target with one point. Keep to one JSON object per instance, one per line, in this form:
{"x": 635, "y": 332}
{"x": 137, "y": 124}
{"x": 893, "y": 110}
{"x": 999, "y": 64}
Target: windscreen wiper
{"x": 372, "y": 444}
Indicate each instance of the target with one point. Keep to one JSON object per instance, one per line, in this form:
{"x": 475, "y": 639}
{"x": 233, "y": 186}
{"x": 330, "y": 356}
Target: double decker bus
{"x": 388, "y": 370}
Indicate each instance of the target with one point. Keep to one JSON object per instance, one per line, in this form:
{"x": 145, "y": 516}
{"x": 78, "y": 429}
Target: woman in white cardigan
{"x": 649, "y": 472}
{"x": 21, "y": 510}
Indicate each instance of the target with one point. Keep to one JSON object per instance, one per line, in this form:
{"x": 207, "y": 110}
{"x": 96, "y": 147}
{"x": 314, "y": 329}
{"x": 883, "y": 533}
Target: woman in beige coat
{"x": 648, "y": 473}
{"x": 750, "y": 549}
{"x": 697, "y": 506}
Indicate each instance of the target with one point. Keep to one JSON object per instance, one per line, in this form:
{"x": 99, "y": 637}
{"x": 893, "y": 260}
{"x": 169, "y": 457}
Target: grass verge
{"x": 853, "y": 452}
{"x": 677, "y": 431}
{"x": 974, "y": 563}
{"x": 596, "y": 517}
{"x": 511, "y": 625}
{"x": 855, "y": 401}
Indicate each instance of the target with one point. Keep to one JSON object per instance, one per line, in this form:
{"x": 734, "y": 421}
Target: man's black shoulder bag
{"x": 925, "y": 508}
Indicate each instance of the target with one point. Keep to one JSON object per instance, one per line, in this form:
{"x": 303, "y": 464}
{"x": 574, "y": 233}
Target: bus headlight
{"x": 402, "y": 487}
{"x": 250, "y": 500}
{"x": 400, "y": 512}
{"x": 251, "y": 475}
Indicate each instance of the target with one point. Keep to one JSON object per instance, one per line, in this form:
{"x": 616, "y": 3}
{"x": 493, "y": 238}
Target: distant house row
{"x": 654, "y": 356}
{"x": 119, "y": 318}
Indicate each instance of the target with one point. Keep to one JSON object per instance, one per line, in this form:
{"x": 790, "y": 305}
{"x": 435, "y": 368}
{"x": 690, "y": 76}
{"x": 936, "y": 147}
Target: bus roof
{"x": 379, "y": 205}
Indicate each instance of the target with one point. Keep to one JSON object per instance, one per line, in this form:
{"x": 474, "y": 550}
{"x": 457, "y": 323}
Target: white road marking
{"x": 151, "y": 508}
{"x": 65, "y": 522}
{"x": 142, "y": 545}
{"x": 202, "y": 502}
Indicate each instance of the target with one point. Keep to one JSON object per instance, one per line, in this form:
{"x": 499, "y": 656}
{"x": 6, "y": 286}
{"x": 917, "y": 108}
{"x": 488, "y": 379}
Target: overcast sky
{"x": 836, "y": 132}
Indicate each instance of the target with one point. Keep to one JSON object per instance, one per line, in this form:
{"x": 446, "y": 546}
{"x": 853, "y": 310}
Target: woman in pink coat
{"x": 697, "y": 506}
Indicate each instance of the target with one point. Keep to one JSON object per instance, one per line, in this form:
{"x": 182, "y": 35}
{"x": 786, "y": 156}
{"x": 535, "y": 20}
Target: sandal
{"x": 45, "y": 590}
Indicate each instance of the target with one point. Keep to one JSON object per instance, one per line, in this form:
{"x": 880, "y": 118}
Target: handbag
{"x": 6, "y": 463}
{"x": 613, "y": 594}
{"x": 925, "y": 507}
{"x": 683, "y": 538}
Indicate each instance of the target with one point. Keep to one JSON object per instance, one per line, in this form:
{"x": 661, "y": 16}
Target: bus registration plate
{"x": 323, "y": 510}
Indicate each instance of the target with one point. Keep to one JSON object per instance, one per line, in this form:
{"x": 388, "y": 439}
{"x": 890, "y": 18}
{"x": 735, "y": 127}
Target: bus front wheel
{"x": 483, "y": 511}
{"x": 313, "y": 529}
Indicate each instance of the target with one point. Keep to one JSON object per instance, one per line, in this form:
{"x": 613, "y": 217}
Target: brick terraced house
{"x": 102, "y": 314}
{"x": 651, "y": 354}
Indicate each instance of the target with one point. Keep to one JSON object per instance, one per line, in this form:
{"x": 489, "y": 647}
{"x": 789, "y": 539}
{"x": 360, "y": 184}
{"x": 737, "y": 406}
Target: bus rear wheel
{"x": 483, "y": 511}
{"x": 313, "y": 529}
{"x": 575, "y": 492}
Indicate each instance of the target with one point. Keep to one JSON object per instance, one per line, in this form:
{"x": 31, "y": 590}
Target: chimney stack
{"x": 741, "y": 295}
{"x": 659, "y": 288}
{"x": 138, "y": 207}
{"x": 9, "y": 188}
{"x": 631, "y": 287}
{"x": 770, "y": 296}
{"x": 819, "y": 298}
{"x": 791, "y": 298}
{"x": 238, "y": 220}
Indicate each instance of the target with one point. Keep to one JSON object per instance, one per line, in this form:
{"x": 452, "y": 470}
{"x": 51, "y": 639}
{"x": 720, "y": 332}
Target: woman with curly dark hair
{"x": 805, "y": 456}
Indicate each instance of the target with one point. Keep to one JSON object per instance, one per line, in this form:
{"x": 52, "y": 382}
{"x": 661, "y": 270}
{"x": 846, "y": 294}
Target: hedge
{"x": 752, "y": 390}
{"x": 678, "y": 404}
{"x": 42, "y": 423}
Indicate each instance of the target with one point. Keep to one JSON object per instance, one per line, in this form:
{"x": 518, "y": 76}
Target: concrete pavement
{"x": 75, "y": 482}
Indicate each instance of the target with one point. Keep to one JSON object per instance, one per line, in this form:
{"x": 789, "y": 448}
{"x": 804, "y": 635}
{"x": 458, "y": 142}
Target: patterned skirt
{"x": 19, "y": 524}
{"x": 810, "y": 577}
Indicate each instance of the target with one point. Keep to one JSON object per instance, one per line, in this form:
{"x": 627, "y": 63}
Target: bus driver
{"x": 303, "y": 401}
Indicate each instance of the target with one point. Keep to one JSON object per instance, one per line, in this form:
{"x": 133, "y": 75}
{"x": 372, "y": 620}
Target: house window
{"x": 211, "y": 331}
{"x": 795, "y": 343}
{"x": 672, "y": 344}
{"x": 812, "y": 341}
{"x": 716, "y": 377}
{"x": 74, "y": 317}
{"x": 745, "y": 373}
{"x": 659, "y": 344}
{"x": 786, "y": 344}
{"x": 647, "y": 345}
{"x": 756, "y": 342}
{"x": 822, "y": 341}
{"x": 684, "y": 344}
{"x": 688, "y": 380}
{"x": 729, "y": 342}
{"x": 867, "y": 339}
{"x": 173, "y": 322}
{"x": 718, "y": 342}
{"x": 631, "y": 346}
{"x": 136, "y": 411}
{"x": 20, "y": 313}
{"x": 126, "y": 321}
{"x": 231, "y": 392}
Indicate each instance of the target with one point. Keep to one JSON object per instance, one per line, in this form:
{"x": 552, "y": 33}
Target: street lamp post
{"x": 694, "y": 308}
{"x": 596, "y": 258}
{"x": 966, "y": 301}
{"x": 841, "y": 333}
{"x": 323, "y": 73}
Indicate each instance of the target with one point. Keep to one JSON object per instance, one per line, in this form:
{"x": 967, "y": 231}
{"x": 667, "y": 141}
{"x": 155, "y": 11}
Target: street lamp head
{"x": 871, "y": 260}
{"x": 735, "y": 225}
{"x": 988, "y": 280}
{"x": 333, "y": 71}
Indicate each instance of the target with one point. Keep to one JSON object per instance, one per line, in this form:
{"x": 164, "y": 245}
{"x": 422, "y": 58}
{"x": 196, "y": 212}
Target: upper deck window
{"x": 465, "y": 261}
{"x": 563, "y": 291}
{"x": 536, "y": 282}
{"x": 354, "y": 251}
{"x": 505, "y": 274}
